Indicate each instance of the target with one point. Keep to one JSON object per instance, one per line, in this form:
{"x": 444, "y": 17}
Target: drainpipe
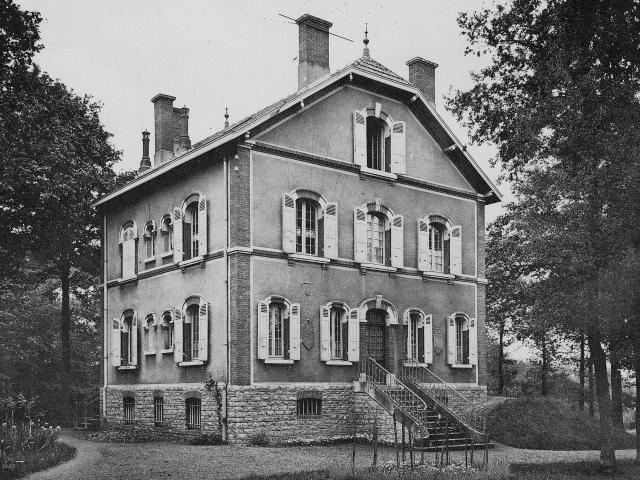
{"x": 228, "y": 292}
{"x": 105, "y": 264}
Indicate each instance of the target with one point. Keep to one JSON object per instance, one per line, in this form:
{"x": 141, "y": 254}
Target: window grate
{"x": 309, "y": 408}
{"x": 158, "y": 411}
{"x": 194, "y": 412}
{"x": 129, "y": 406}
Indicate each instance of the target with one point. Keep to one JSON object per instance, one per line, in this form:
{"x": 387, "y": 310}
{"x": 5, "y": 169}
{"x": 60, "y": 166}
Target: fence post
{"x": 375, "y": 439}
{"x": 395, "y": 435}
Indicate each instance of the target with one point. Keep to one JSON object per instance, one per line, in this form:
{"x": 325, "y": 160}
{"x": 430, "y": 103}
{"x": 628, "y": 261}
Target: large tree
{"x": 559, "y": 99}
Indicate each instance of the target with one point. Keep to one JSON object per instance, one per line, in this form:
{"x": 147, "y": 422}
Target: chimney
{"x": 145, "y": 163}
{"x": 422, "y": 74}
{"x": 313, "y": 55}
{"x": 184, "y": 143}
{"x": 164, "y": 127}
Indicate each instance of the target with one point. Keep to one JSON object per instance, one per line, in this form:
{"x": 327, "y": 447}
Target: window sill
{"x": 463, "y": 366}
{"x": 192, "y": 363}
{"x": 339, "y": 363}
{"x": 191, "y": 261}
{"x": 149, "y": 260}
{"x": 378, "y": 173}
{"x": 412, "y": 364}
{"x": 150, "y": 353}
{"x": 166, "y": 350}
{"x": 279, "y": 361}
{"x": 127, "y": 367}
{"x": 376, "y": 266}
{"x": 308, "y": 258}
{"x": 443, "y": 276}
{"x": 167, "y": 254}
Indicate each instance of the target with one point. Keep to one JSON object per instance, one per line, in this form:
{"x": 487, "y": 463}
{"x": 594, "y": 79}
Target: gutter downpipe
{"x": 227, "y": 292}
{"x": 105, "y": 314}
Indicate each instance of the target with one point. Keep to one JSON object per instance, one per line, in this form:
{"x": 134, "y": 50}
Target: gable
{"x": 325, "y": 129}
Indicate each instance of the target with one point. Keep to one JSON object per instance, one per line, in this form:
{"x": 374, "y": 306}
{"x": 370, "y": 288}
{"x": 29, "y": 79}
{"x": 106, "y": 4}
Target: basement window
{"x": 129, "y": 406}
{"x": 309, "y": 405}
{"x": 194, "y": 413}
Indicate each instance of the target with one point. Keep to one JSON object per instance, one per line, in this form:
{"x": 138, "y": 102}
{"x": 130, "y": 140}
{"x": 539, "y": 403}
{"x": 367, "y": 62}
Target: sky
{"x": 240, "y": 54}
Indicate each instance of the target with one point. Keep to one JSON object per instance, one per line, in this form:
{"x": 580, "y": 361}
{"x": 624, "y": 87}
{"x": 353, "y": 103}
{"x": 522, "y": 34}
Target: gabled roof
{"x": 363, "y": 66}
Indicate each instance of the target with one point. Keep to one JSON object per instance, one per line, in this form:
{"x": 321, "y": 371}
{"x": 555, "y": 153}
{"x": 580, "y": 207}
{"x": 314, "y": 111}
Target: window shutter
{"x": 263, "y": 330}
{"x": 203, "y": 319}
{"x": 134, "y": 339}
{"x": 451, "y": 340}
{"x": 359, "y": 235}
{"x": 397, "y": 241}
{"x": 177, "y": 235}
{"x": 177, "y": 335}
{"x": 423, "y": 245}
{"x": 473, "y": 341}
{"x": 331, "y": 230}
{"x": 202, "y": 226}
{"x": 115, "y": 343}
{"x": 354, "y": 336}
{"x": 428, "y": 339}
{"x": 325, "y": 334}
{"x": 398, "y": 148}
{"x": 294, "y": 332}
{"x": 360, "y": 138}
{"x": 455, "y": 246}
{"x": 420, "y": 342}
{"x": 129, "y": 259}
{"x": 407, "y": 329}
{"x": 288, "y": 223}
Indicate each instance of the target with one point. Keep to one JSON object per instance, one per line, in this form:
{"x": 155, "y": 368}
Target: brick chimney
{"x": 145, "y": 163}
{"x": 184, "y": 143}
{"x": 422, "y": 74}
{"x": 172, "y": 129}
{"x": 313, "y": 55}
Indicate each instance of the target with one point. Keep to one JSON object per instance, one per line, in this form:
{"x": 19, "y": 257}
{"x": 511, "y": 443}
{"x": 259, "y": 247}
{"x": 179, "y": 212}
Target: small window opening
{"x": 129, "y": 406}
{"x": 194, "y": 412}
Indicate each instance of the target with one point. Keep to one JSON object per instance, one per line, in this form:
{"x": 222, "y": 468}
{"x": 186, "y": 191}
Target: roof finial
{"x": 365, "y": 52}
{"x": 226, "y": 117}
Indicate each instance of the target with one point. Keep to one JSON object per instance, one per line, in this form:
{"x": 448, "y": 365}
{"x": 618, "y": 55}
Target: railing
{"x": 463, "y": 410}
{"x": 86, "y": 409}
{"x": 402, "y": 397}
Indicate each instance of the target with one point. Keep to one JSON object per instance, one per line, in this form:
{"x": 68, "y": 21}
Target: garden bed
{"x": 22, "y": 463}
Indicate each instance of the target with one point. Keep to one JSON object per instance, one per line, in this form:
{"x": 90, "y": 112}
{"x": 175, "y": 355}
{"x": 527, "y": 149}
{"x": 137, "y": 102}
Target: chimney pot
{"x": 422, "y": 74}
{"x": 184, "y": 143}
{"x": 145, "y": 162}
{"x": 313, "y": 54}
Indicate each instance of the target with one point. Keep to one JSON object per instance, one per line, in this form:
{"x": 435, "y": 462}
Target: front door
{"x": 372, "y": 336}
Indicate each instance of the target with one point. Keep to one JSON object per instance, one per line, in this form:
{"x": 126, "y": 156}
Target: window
{"x": 278, "y": 330}
{"x": 378, "y": 144}
{"x": 167, "y": 331}
{"x": 191, "y": 333}
{"x": 309, "y": 404}
{"x": 306, "y": 226}
{"x": 167, "y": 234}
{"x": 436, "y": 247}
{"x": 190, "y": 231}
{"x": 418, "y": 328}
{"x": 193, "y": 414}
{"x": 149, "y": 334}
{"x": 128, "y": 250}
{"x": 338, "y": 333}
{"x": 462, "y": 340}
{"x": 149, "y": 240}
{"x": 158, "y": 411}
{"x": 376, "y": 244}
{"x": 129, "y": 407}
{"x": 127, "y": 339}
{"x": 124, "y": 341}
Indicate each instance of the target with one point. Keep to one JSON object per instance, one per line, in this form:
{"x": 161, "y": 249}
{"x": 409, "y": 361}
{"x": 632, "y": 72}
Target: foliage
{"x": 260, "y": 439}
{"x": 207, "y": 439}
{"x": 546, "y": 424}
{"x": 572, "y": 471}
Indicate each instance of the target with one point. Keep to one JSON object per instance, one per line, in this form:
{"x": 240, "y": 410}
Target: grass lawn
{"x": 546, "y": 424}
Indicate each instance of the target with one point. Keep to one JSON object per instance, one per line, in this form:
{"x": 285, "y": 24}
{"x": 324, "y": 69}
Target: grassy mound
{"x": 546, "y": 424}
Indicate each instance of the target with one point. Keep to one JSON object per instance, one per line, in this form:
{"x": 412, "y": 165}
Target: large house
{"x": 256, "y": 280}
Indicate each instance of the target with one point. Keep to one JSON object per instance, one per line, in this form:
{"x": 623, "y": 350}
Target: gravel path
{"x": 97, "y": 461}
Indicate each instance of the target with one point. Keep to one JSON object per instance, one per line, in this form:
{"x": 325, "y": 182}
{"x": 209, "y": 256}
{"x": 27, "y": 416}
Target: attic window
{"x": 378, "y": 145}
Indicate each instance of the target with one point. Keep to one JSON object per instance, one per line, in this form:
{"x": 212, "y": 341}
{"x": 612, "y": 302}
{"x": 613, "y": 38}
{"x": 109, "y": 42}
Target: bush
{"x": 260, "y": 439}
{"x": 207, "y": 439}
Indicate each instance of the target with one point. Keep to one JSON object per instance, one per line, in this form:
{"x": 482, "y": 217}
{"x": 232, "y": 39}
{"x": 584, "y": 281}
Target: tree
{"x": 559, "y": 99}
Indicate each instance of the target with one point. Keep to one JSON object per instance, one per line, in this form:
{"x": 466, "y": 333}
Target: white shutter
{"x": 129, "y": 258}
{"x": 473, "y": 341}
{"x": 177, "y": 336}
{"x": 451, "y": 340}
{"x": 354, "y": 336}
{"x": 325, "y": 334}
{"x": 202, "y": 226}
{"x": 407, "y": 323}
{"x": 428, "y": 339}
{"x": 398, "y": 148}
{"x": 134, "y": 339}
{"x": 116, "y": 353}
{"x": 288, "y": 223}
{"x": 294, "y": 332}
{"x": 360, "y": 138}
{"x": 455, "y": 250}
{"x": 331, "y": 230}
{"x": 423, "y": 245}
{"x": 203, "y": 331}
{"x": 397, "y": 241}
{"x": 359, "y": 235}
{"x": 263, "y": 330}
{"x": 177, "y": 235}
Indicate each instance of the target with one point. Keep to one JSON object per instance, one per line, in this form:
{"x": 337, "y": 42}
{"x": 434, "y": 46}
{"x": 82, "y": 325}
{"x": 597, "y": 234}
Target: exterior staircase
{"x": 87, "y": 413}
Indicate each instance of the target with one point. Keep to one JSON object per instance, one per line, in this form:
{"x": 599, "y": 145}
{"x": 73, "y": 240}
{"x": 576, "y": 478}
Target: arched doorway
{"x": 373, "y": 337}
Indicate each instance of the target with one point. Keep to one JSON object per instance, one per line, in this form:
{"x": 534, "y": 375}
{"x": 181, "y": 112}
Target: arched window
{"x": 128, "y": 250}
{"x": 378, "y": 235}
{"x": 439, "y": 245}
{"x": 190, "y": 231}
{"x": 124, "y": 341}
{"x": 150, "y": 240}
{"x": 306, "y": 226}
{"x": 150, "y": 334}
{"x": 277, "y": 314}
{"x": 463, "y": 340}
{"x": 437, "y": 234}
{"x": 191, "y": 332}
{"x": 338, "y": 332}
{"x": 376, "y": 238}
{"x": 167, "y": 234}
{"x": 378, "y": 144}
{"x": 419, "y": 339}
{"x": 278, "y": 330}
{"x": 127, "y": 338}
{"x": 167, "y": 331}
{"x": 193, "y": 413}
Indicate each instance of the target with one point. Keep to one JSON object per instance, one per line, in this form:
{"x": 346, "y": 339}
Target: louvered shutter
{"x": 294, "y": 332}
{"x": 423, "y": 245}
{"x": 473, "y": 341}
{"x": 359, "y": 235}
{"x": 451, "y": 340}
{"x": 420, "y": 342}
{"x": 115, "y": 343}
{"x": 177, "y": 336}
{"x": 397, "y": 241}
{"x": 288, "y": 223}
{"x": 360, "y": 138}
{"x": 263, "y": 330}
{"x": 398, "y": 148}
{"x": 331, "y": 230}
{"x": 203, "y": 332}
{"x": 354, "y": 336}
{"x": 455, "y": 247}
{"x": 428, "y": 339}
{"x": 325, "y": 334}
{"x": 177, "y": 235}
{"x": 134, "y": 339}
{"x": 129, "y": 258}
{"x": 407, "y": 336}
{"x": 202, "y": 226}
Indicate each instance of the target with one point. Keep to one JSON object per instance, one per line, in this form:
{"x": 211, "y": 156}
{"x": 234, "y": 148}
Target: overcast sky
{"x": 209, "y": 54}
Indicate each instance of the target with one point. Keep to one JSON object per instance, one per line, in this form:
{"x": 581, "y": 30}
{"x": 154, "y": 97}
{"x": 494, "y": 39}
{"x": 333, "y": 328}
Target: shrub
{"x": 207, "y": 439}
{"x": 260, "y": 439}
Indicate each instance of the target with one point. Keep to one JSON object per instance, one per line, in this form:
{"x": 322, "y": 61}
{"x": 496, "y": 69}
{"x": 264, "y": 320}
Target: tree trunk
{"x": 581, "y": 375}
{"x": 616, "y": 393}
{"x": 543, "y": 382}
{"x": 591, "y": 403}
{"x": 607, "y": 452}
{"x": 65, "y": 343}
{"x": 501, "y": 359}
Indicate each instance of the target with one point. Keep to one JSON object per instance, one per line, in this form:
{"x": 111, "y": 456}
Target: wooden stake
{"x": 395, "y": 435}
{"x": 404, "y": 458}
{"x": 353, "y": 452}
{"x": 421, "y": 447}
{"x": 375, "y": 439}
{"x": 466, "y": 460}
{"x": 411, "y": 447}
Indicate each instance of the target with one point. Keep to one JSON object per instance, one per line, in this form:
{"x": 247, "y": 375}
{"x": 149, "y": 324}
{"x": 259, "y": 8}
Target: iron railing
{"x": 464, "y": 411}
{"x": 87, "y": 411}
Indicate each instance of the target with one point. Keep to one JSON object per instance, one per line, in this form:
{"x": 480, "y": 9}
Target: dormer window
{"x": 378, "y": 145}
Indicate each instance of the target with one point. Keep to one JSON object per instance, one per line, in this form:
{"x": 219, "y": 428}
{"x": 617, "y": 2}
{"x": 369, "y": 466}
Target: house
{"x": 254, "y": 281}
